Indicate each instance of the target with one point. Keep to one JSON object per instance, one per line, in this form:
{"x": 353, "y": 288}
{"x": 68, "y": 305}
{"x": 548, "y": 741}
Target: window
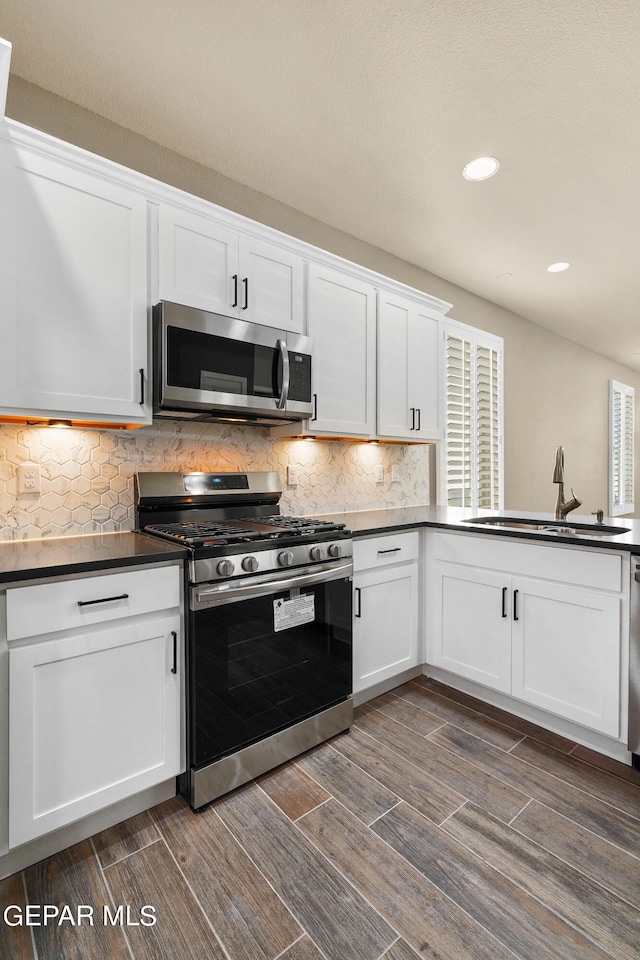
{"x": 621, "y": 448}
{"x": 471, "y": 462}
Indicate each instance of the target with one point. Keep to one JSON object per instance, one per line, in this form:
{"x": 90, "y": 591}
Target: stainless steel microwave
{"x": 216, "y": 368}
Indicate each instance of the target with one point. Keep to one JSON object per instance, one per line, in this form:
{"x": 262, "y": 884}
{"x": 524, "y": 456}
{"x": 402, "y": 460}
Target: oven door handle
{"x": 220, "y": 593}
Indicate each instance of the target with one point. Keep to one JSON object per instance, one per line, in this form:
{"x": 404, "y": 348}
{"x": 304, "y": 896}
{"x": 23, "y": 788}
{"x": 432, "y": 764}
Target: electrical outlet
{"x": 29, "y": 478}
{"x": 395, "y": 473}
{"x": 379, "y": 473}
{"x": 292, "y": 475}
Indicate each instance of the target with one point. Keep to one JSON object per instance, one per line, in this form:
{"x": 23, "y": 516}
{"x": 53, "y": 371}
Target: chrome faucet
{"x": 563, "y": 507}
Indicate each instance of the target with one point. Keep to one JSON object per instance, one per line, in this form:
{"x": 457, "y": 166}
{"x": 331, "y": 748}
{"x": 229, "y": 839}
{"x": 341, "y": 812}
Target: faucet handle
{"x": 598, "y": 514}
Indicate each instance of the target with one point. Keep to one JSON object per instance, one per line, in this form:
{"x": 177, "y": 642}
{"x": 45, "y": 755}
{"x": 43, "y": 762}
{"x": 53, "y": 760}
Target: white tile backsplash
{"x": 87, "y": 475}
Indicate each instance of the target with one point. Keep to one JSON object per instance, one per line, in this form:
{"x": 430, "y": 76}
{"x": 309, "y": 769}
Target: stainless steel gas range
{"x": 269, "y": 636}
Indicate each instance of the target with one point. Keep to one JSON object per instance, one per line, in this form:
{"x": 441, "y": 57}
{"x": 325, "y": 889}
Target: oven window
{"x": 252, "y": 674}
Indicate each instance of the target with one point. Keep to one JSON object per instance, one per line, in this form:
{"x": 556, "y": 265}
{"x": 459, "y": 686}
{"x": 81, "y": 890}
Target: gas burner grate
{"x": 303, "y": 524}
{"x": 200, "y": 531}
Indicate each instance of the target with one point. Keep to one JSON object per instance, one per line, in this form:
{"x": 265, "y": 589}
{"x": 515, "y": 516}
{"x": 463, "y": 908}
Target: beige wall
{"x": 555, "y": 391}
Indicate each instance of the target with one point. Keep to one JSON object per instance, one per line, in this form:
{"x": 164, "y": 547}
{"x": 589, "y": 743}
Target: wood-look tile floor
{"x": 436, "y": 827}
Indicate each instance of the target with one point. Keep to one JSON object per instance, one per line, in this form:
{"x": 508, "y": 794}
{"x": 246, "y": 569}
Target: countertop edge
{"x": 141, "y": 549}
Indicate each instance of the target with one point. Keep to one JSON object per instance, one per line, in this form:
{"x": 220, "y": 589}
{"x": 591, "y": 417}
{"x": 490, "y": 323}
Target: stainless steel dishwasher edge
{"x": 634, "y": 664}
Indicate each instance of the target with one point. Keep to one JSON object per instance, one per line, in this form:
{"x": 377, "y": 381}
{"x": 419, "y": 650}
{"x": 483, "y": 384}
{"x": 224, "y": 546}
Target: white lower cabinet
{"x": 471, "y": 636}
{"x": 566, "y": 652}
{"x": 551, "y": 638}
{"x": 385, "y": 624}
{"x": 94, "y": 713}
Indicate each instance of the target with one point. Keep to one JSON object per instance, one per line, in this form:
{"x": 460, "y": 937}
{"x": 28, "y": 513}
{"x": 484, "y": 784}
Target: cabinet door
{"x": 566, "y": 652}
{"x": 408, "y": 370}
{"x": 73, "y": 287}
{"x": 395, "y": 416}
{"x": 424, "y": 375}
{"x": 341, "y": 319}
{"x": 470, "y": 623}
{"x": 198, "y": 262}
{"x": 271, "y": 285}
{"x": 93, "y": 718}
{"x": 385, "y": 636}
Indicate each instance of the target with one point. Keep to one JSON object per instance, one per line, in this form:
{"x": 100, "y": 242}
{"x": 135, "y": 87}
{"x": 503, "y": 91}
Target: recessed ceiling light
{"x": 557, "y": 267}
{"x": 481, "y": 168}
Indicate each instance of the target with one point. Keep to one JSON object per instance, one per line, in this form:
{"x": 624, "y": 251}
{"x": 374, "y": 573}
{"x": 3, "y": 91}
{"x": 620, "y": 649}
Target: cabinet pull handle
{"x": 359, "y": 599}
{"x": 418, "y": 412}
{"x": 235, "y": 290}
{"x": 174, "y": 668}
{"x": 89, "y": 603}
{"x": 246, "y": 292}
{"x": 315, "y": 407}
{"x": 504, "y": 601}
{"x": 413, "y": 418}
{"x": 142, "y": 386}
{"x": 515, "y": 605}
{"x": 391, "y": 550}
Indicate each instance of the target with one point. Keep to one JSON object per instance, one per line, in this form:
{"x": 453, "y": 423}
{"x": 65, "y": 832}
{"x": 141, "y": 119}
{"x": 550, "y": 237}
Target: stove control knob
{"x": 285, "y": 558}
{"x": 225, "y": 568}
{"x": 250, "y": 564}
{"x": 315, "y": 553}
{"x": 334, "y": 550}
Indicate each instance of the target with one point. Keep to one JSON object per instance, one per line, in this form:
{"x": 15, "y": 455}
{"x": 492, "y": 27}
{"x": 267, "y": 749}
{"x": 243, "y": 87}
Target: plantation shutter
{"x": 471, "y": 468}
{"x": 622, "y": 452}
{"x": 488, "y": 430}
{"x": 459, "y": 425}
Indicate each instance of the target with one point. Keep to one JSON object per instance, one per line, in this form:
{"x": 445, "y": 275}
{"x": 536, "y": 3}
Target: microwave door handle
{"x": 284, "y": 392}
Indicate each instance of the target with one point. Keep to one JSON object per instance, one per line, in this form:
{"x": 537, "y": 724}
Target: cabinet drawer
{"x": 45, "y": 608}
{"x": 599, "y": 570}
{"x": 380, "y": 551}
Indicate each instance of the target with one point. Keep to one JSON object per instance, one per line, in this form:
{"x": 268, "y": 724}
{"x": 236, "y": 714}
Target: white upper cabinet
{"x": 205, "y": 264}
{"x": 341, "y": 313}
{"x": 409, "y": 393}
{"x": 73, "y": 289}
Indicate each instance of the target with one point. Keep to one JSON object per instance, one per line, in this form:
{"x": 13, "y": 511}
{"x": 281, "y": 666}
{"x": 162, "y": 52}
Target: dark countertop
{"x": 61, "y": 556}
{"x": 364, "y": 523}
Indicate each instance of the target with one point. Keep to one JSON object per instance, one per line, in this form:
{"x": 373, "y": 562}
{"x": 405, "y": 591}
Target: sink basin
{"x": 562, "y": 527}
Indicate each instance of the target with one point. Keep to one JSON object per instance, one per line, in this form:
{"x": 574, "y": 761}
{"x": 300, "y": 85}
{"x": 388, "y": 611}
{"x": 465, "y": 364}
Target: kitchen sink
{"x": 552, "y": 526}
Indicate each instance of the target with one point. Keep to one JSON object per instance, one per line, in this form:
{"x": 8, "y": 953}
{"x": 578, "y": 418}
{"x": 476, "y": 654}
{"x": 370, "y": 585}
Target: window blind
{"x": 622, "y": 448}
{"x": 473, "y": 442}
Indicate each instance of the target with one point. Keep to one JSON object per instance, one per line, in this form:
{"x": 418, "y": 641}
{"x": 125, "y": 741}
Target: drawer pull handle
{"x": 515, "y": 605}
{"x": 174, "y": 668}
{"x": 504, "y": 601}
{"x": 142, "y": 386}
{"x": 391, "y": 550}
{"x": 359, "y": 599}
{"x": 235, "y": 290}
{"x": 89, "y": 603}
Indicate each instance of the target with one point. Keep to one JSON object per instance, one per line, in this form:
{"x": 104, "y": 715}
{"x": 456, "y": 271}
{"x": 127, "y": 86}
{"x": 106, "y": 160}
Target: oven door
{"x": 212, "y": 367}
{"x": 266, "y": 655}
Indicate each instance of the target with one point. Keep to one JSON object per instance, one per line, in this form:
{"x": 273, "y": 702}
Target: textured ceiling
{"x": 362, "y": 114}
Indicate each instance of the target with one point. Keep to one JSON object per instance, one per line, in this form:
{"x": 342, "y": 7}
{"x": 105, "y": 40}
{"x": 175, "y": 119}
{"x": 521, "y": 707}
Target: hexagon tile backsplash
{"x": 87, "y": 475}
